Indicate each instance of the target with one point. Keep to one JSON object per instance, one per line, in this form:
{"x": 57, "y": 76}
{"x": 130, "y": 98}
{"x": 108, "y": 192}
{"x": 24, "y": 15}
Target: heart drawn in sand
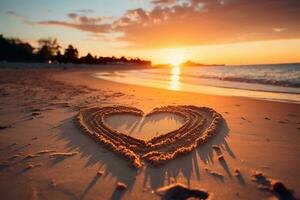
{"x": 200, "y": 124}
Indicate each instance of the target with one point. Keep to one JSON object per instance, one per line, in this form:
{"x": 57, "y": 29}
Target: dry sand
{"x": 44, "y": 155}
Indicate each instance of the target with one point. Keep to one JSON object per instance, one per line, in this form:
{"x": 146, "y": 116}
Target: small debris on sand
{"x": 263, "y": 182}
{"x": 62, "y": 154}
{"x": 117, "y": 94}
{"x": 121, "y": 186}
{"x": 53, "y": 183}
{"x": 257, "y": 174}
{"x": 237, "y": 172}
{"x": 243, "y": 118}
{"x": 265, "y": 167}
{"x": 216, "y": 147}
{"x": 239, "y": 176}
{"x": 180, "y": 191}
{"x": 267, "y": 118}
{"x": 214, "y": 173}
{"x": 4, "y": 127}
{"x": 281, "y": 191}
{"x": 100, "y": 172}
{"x": 35, "y": 110}
{"x": 275, "y": 187}
{"x": 14, "y": 156}
{"x": 35, "y": 114}
{"x": 31, "y": 156}
{"x": 11, "y": 145}
{"x": 205, "y": 169}
{"x": 29, "y": 166}
{"x": 221, "y": 158}
{"x": 35, "y": 138}
{"x": 45, "y": 151}
{"x": 4, "y": 164}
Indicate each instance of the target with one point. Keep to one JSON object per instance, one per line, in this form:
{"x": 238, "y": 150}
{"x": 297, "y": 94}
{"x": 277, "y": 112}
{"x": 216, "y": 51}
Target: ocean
{"x": 280, "y": 82}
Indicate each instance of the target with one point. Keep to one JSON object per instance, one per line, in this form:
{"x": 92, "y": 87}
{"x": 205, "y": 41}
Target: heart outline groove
{"x": 200, "y": 124}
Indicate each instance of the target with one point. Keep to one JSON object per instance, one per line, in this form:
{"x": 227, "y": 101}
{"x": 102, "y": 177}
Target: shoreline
{"x": 88, "y": 74}
{"x": 204, "y": 85}
{"x": 40, "y": 106}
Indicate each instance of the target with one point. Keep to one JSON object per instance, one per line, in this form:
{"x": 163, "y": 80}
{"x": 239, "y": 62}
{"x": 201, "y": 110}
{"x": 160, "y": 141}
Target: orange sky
{"x": 207, "y": 31}
{"x": 260, "y": 52}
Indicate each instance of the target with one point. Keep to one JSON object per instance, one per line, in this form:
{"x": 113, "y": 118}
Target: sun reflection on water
{"x": 175, "y": 78}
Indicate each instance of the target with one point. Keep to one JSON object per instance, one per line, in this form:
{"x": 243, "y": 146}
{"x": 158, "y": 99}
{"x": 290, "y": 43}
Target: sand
{"x": 37, "y": 114}
{"x": 200, "y": 125}
{"x": 145, "y": 127}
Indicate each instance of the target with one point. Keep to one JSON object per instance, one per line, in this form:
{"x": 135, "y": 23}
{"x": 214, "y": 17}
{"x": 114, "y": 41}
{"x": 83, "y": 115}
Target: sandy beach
{"x": 45, "y": 155}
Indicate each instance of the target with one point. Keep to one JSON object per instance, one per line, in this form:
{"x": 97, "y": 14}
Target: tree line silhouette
{"x": 48, "y": 51}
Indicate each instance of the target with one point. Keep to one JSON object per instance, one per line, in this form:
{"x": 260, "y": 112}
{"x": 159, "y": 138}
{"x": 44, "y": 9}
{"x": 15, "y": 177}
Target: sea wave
{"x": 287, "y": 75}
{"x": 290, "y": 83}
{"x": 271, "y": 82}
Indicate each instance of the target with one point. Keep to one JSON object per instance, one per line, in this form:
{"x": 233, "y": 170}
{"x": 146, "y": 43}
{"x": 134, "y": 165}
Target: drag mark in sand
{"x": 180, "y": 191}
{"x": 200, "y": 124}
{"x": 276, "y": 187}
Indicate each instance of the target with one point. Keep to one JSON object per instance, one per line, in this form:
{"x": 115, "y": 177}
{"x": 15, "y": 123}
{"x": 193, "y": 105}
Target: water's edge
{"x": 127, "y": 77}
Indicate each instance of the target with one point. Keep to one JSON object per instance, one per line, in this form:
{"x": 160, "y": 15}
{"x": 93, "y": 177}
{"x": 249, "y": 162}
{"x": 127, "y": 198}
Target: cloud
{"x": 196, "y": 22}
{"x": 85, "y": 11}
{"x": 16, "y": 15}
{"x": 85, "y": 19}
{"x": 83, "y": 23}
{"x": 94, "y": 28}
{"x": 157, "y": 2}
{"x": 214, "y": 22}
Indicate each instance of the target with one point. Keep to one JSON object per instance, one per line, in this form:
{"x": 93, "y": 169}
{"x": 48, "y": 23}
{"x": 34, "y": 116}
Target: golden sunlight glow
{"x": 175, "y": 78}
{"x": 175, "y": 56}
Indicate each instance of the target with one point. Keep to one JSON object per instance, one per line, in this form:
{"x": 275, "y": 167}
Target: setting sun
{"x": 175, "y": 56}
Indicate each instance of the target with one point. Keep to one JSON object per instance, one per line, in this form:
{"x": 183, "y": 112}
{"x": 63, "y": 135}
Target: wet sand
{"x": 37, "y": 112}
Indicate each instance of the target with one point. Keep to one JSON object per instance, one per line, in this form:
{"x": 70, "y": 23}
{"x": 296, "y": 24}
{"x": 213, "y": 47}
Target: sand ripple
{"x": 200, "y": 124}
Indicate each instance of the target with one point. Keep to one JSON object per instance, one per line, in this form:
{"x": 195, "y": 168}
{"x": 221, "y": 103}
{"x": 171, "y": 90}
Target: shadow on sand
{"x": 188, "y": 165}
{"x": 114, "y": 166}
{"x": 121, "y": 170}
